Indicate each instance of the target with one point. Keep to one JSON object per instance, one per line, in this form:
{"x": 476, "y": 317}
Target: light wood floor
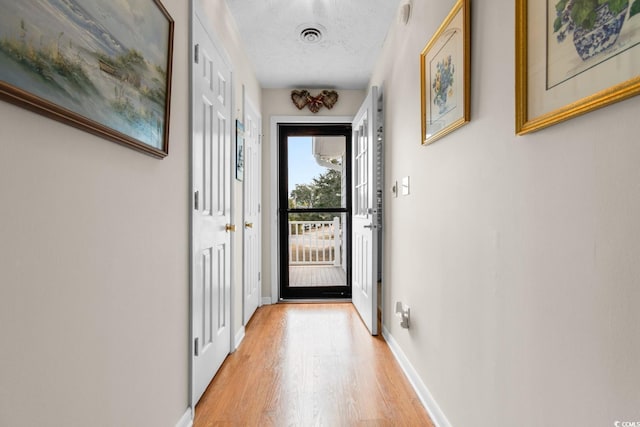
{"x": 316, "y": 275}
{"x": 310, "y": 365}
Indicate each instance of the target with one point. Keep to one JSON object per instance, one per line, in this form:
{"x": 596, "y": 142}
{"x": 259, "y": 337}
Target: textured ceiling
{"x": 354, "y": 31}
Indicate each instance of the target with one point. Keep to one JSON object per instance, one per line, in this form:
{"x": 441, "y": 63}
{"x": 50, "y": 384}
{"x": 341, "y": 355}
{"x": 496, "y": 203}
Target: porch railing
{"x": 315, "y": 242}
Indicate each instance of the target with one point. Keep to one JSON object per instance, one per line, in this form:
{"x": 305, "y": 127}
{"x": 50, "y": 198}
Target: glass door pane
{"x": 317, "y": 256}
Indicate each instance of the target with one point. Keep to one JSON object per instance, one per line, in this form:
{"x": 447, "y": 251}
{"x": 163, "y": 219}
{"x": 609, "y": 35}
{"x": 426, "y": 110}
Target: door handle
{"x": 230, "y": 227}
{"x": 368, "y": 226}
{"x": 248, "y": 225}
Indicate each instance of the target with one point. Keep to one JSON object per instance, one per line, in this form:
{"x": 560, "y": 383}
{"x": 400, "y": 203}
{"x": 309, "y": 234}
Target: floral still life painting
{"x": 585, "y": 33}
{"x": 443, "y": 85}
{"x": 445, "y": 76}
{"x": 574, "y": 57}
{"x": 103, "y": 66}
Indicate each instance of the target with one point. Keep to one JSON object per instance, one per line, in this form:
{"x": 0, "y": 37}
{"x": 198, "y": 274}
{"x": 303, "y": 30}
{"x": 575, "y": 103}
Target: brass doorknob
{"x": 229, "y": 227}
{"x": 248, "y": 225}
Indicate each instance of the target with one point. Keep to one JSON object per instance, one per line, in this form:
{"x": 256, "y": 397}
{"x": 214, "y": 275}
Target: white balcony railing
{"x": 315, "y": 242}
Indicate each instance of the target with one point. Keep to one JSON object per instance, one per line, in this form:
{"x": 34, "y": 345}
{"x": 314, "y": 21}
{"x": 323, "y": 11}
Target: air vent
{"x": 311, "y": 33}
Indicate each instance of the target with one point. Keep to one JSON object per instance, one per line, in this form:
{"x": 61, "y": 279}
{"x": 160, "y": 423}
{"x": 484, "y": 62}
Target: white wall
{"x": 523, "y": 283}
{"x": 94, "y": 270}
{"x": 277, "y": 102}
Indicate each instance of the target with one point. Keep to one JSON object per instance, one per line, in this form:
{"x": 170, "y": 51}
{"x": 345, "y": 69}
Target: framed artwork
{"x": 239, "y": 150}
{"x": 101, "y": 66}
{"x": 572, "y": 57}
{"x": 445, "y": 84}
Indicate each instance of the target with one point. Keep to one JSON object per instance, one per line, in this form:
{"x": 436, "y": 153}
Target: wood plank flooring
{"x": 316, "y": 275}
{"x": 310, "y": 365}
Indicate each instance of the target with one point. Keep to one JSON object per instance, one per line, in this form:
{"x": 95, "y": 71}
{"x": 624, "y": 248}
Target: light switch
{"x": 405, "y": 185}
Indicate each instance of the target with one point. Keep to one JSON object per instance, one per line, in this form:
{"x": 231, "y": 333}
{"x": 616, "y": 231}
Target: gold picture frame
{"x": 557, "y": 77}
{"x": 445, "y": 70}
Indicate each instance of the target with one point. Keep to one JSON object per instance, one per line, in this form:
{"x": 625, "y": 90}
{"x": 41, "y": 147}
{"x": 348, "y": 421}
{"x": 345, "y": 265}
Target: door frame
{"x": 311, "y": 130}
{"x": 275, "y": 184}
{"x": 198, "y": 13}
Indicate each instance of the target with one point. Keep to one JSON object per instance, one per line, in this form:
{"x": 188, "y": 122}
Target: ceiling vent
{"x": 311, "y": 34}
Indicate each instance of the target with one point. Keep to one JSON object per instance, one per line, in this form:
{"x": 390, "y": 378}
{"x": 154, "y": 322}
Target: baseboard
{"x": 266, "y": 300}
{"x": 238, "y": 339}
{"x": 436, "y": 414}
{"x": 186, "y": 420}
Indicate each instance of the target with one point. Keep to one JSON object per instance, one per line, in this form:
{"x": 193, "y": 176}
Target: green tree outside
{"x": 325, "y": 191}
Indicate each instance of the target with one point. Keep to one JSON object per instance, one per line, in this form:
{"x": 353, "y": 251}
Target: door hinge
{"x": 258, "y": 207}
{"x": 196, "y": 200}
{"x": 259, "y": 276}
{"x": 196, "y": 54}
{"x": 196, "y": 346}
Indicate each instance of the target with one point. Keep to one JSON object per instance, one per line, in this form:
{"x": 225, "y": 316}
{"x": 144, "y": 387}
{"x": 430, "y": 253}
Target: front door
{"x": 367, "y": 205}
{"x": 211, "y": 148}
{"x": 314, "y": 211}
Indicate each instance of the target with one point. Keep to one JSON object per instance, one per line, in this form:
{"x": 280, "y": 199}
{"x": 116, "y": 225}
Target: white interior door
{"x": 211, "y": 287}
{"x": 252, "y": 214}
{"x": 365, "y": 211}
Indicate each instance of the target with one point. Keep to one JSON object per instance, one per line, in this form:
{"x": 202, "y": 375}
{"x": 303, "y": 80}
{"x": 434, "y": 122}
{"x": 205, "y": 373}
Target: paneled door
{"x": 252, "y": 211}
{"x": 366, "y": 211}
{"x": 211, "y": 150}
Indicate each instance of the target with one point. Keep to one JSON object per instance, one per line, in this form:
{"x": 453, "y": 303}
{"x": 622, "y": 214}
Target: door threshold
{"x": 313, "y": 300}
